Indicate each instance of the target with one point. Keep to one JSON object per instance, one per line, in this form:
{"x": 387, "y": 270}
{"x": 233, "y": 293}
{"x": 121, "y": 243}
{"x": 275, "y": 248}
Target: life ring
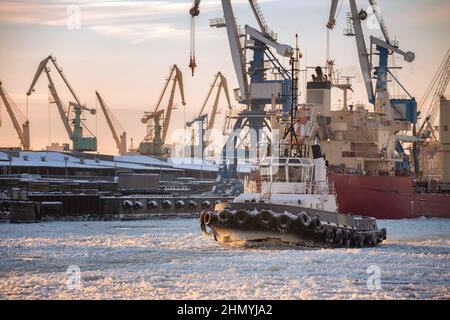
{"x": 242, "y": 217}
{"x": 209, "y": 218}
{"x": 304, "y": 220}
{"x": 265, "y": 218}
{"x": 359, "y": 240}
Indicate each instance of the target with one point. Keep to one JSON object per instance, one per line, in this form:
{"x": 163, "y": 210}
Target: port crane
{"x": 221, "y": 85}
{"x": 256, "y": 89}
{"x": 158, "y": 120}
{"x": 119, "y": 134}
{"x": 429, "y": 103}
{"x": 20, "y": 122}
{"x": 394, "y": 109}
{"x": 76, "y": 134}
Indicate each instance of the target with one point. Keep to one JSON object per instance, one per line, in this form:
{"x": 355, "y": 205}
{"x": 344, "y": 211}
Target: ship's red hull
{"x": 387, "y": 198}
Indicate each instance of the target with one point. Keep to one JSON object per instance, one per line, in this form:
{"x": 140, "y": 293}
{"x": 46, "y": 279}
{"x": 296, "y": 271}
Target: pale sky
{"x": 124, "y": 49}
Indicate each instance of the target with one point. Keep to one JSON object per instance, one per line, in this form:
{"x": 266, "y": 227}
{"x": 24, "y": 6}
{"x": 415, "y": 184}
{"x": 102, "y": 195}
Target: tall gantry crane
{"x": 398, "y": 109}
{"x": 157, "y": 132}
{"x": 394, "y": 109}
{"x": 119, "y": 134}
{"x": 20, "y": 122}
{"x": 256, "y": 89}
{"x": 221, "y": 85}
{"x": 430, "y": 102}
{"x": 76, "y": 134}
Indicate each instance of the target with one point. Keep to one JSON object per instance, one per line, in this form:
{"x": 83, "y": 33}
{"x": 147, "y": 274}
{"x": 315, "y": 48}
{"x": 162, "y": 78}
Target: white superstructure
{"x": 292, "y": 181}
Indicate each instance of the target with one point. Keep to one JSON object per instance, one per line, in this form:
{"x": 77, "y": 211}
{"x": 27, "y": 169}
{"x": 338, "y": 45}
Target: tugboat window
{"x": 296, "y": 174}
{"x": 279, "y": 173}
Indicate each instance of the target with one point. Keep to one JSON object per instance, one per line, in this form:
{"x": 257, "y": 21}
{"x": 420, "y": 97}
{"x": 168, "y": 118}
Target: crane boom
{"x": 381, "y": 22}
{"x": 22, "y": 126}
{"x": 235, "y": 48}
{"x": 176, "y": 76}
{"x": 194, "y": 12}
{"x": 429, "y": 103}
{"x": 332, "y": 19}
{"x": 363, "y": 55}
{"x": 61, "y": 110}
{"x": 80, "y": 143}
{"x": 221, "y": 81}
{"x": 114, "y": 126}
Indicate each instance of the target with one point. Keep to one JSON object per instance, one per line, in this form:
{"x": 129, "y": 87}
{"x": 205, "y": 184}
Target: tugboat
{"x": 294, "y": 205}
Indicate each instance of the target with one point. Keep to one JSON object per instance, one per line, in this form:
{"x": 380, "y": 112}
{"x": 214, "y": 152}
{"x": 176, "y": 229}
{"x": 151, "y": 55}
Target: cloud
{"x": 135, "y": 21}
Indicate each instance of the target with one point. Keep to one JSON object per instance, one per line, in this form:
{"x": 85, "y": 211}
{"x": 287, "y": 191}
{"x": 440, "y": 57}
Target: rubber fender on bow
{"x": 225, "y": 216}
{"x": 242, "y": 217}
{"x": 284, "y": 221}
{"x": 304, "y": 220}
{"x": 339, "y": 236}
{"x": 329, "y": 235}
{"x": 265, "y": 218}
{"x": 316, "y": 223}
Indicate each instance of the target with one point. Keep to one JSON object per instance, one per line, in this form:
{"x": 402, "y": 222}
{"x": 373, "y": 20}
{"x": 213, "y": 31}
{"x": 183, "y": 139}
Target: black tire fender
{"x": 304, "y": 220}
{"x": 339, "y": 236}
{"x": 265, "y": 218}
{"x": 316, "y": 224}
{"x": 242, "y": 217}
{"x": 329, "y": 235}
{"x": 284, "y": 221}
{"x": 225, "y": 216}
{"x": 166, "y": 204}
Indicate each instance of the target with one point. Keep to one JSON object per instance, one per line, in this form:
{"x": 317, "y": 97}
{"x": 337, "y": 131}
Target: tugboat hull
{"x": 253, "y": 223}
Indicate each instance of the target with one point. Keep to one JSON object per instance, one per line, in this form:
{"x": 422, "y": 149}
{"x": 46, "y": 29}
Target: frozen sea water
{"x": 171, "y": 259}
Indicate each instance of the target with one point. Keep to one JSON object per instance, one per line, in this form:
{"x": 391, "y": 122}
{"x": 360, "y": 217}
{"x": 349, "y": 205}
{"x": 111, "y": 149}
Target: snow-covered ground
{"x": 170, "y": 259}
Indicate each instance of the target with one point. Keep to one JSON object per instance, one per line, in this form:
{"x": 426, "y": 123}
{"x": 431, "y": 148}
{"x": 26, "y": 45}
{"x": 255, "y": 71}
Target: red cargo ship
{"x": 385, "y": 197}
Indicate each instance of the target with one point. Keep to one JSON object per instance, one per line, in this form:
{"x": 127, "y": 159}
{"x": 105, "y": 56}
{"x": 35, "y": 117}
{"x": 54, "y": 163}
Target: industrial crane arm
{"x": 332, "y": 20}
{"x": 42, "y": 66}
{"x": 233, "y": 40}
{"x": 363, "y": 55}
{"x": 282, "y": 49}
{"x": 177, "y": 80}
{"x": 114, "y": 126}
{"x": 20, "y": 125}
{"x": 408, "y": 56}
